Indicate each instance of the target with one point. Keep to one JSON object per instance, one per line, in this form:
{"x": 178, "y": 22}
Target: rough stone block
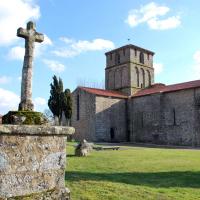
{"x": 32, "y": 162}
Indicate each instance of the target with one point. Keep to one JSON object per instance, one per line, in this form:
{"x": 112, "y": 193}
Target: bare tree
{"x": 91, "y": 83}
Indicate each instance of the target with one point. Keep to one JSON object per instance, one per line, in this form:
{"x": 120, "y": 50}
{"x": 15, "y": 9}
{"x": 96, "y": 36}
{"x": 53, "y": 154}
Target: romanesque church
{"x": 134, "y": 108}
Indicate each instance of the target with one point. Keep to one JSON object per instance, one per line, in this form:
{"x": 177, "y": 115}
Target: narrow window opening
{"x": 174, "y": 116}
{"x": 78, "y": 108}
{"x": 149, "y": 78}
{"x": 124, "y": 52}
{"x": 111, "y": 56}
{"x": 142, "y": 120}
{"x": 137, "y": 77}
{"x": 141, "y": 58}
{"x": 143, "y": 79}
{"x": 117, "y": 58}
{"x": 135, "y": 53}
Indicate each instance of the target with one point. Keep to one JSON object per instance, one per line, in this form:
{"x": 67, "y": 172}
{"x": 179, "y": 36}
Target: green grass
{"x": 135, "y": 173}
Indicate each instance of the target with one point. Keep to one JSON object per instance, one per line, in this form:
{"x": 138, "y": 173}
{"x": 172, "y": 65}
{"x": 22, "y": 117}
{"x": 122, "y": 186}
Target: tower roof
{"x": 131, "y": 46}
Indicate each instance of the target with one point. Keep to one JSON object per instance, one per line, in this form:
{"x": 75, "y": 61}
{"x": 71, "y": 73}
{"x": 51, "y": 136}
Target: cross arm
{"x": 39, "y": 37}
{"x": 22, "y": 33}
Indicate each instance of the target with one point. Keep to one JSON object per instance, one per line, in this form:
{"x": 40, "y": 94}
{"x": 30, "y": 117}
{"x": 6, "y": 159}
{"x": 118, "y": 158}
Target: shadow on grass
{"x": 70, "y": 155}
{"x": 158, "y": 179}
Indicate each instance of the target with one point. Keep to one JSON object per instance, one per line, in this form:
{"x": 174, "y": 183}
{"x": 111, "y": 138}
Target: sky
{"x": 78, "y": 33}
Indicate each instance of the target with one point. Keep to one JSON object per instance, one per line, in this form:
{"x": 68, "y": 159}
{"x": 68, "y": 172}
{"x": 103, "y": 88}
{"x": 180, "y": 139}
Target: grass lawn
{"x": 134, "y": 173}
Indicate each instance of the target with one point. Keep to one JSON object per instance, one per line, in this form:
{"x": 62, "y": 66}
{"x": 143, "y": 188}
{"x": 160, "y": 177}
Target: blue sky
{"x": 78, "y": 33}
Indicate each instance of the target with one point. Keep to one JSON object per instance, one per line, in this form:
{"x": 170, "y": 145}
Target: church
{"x": 133, "y": 108}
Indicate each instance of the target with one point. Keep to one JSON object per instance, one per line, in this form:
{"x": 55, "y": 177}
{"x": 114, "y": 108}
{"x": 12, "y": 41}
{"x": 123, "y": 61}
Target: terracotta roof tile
{"x": 101, "y": 92}
{"x": 161, "y": 88}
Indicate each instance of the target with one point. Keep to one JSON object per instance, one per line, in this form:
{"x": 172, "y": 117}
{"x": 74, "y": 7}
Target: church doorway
{"x": 112, "y": 134}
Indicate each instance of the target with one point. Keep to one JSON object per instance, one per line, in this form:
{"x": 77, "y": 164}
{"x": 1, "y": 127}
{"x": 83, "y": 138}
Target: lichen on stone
{"x": 53, "y": 194}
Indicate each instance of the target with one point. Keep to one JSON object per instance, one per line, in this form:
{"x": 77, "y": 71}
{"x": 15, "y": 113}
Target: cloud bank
{"x": 54, "y": 65}
{"x": 152, "y": 14}
{"x": 14, "y": 14}
{"x": 73, "y": 48}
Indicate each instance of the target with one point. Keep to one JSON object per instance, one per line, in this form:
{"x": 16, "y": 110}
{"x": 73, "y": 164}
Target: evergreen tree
{"x": 55, "y": 100}
{"x": 60, "y": 102}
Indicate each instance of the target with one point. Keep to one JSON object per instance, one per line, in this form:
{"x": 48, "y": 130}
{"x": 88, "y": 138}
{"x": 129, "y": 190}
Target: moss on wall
{"x": 24, "y": 117}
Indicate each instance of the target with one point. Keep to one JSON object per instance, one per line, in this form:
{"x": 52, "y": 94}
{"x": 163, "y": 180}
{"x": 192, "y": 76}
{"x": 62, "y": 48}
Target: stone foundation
{"x": 32, "y": 162}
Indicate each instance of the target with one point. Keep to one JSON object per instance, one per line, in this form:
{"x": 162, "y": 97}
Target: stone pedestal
{"x": 32, "y": 162}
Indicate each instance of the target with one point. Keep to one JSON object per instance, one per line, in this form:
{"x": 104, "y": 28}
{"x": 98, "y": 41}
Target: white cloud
{"x": 13, "y": 14}
{"x": 150, "y": 14}
{"x": 8, "y": 101}
{"x": 47, "y": 41}
{"x": 66, "y": 53}
{"x": 67, "y": 40}
{"x": 74, "y": 48}
{"x": 95, "y": 45}
{"x": 39, "y": 101}
{"x": 4, "y": 79}
{"x": 40, "y": 104}
{"x": 171, "y": 22}
{"x": 55, "y": 66}
{"x": 17, "y": 52}
{"x": 158, "y": 68}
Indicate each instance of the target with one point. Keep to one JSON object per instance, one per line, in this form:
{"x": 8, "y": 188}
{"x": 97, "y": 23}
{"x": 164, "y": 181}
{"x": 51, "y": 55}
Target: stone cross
{"x": 31, "y": 36}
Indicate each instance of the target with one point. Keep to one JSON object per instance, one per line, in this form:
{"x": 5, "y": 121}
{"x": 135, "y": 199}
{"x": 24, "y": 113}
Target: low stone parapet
{"x": 33, "y": 161}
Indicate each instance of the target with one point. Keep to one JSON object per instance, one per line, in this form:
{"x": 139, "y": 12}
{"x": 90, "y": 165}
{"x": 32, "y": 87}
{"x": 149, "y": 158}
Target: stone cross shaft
{"x": 31, "y": 36}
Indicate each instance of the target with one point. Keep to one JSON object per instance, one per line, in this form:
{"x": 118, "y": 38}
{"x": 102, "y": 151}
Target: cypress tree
{"x": 60, "y": 102}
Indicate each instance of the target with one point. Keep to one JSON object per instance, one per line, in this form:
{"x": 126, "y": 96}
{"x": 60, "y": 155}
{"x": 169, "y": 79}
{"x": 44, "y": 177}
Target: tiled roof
{"x": 106, "y": 93}
{"x": 161, "y": 88}
{"x": 155, "y": 88}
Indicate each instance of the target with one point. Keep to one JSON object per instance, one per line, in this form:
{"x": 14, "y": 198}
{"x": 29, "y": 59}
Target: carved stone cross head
{"x": 30, "y": 33}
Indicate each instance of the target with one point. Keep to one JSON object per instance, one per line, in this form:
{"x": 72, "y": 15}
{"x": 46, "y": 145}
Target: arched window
{"x": 137, "y": 76}
{"x": 149, "y": 78}
{"x": 143, "y": 78}
{"x": 117, "y": 58}
{"x": 141, "y": 58}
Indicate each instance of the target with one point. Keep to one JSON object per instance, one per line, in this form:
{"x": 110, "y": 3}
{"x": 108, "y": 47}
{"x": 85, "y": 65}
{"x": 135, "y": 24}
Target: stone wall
{"x": 111, "y": 114}
{"x": 97, "y": 115}
{"x": 163, "y": 118}
{"x": 85, "y": 123}
{"x": 118, "y": 78}
{"x": 166, "y": 118}
{"x": 32, "y": 162}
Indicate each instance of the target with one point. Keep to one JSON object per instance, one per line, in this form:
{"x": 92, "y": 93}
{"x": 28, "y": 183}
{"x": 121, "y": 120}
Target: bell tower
{"x": 129, "y": 69}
